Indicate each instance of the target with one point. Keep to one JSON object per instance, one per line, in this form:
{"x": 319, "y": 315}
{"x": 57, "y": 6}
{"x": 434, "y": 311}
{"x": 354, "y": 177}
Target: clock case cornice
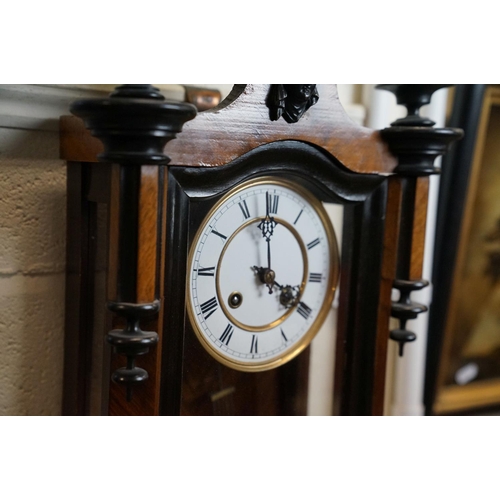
{"x": 242, "y": 122}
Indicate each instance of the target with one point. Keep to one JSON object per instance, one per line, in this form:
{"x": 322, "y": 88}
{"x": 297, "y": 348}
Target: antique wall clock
{"x": 199, "y": 247}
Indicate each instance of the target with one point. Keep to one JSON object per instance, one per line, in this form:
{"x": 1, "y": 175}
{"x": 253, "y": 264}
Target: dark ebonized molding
{"x": 417, "y": 144}
{"x": 328, "y": 179}
{"x": 194, "y": 191}
{"x": 134, "y": 124}
{"x": 291, "y": 101}
{"x": 418, "y": 147}
{"x": 178, "y": 211}
{"x": 453, "y": 188}
{"x": 362, "y": 251}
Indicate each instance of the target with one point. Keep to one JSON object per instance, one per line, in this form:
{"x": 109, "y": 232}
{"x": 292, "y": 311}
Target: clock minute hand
{"x": 267, "y": 225}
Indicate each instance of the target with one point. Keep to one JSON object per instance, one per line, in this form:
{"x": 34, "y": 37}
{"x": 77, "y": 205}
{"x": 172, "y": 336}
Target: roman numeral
{"x": 218, "y": 234}
{"x": 244, "y": 209}
{"x": 272, "y": 202}
{"x": 304, "y": 310}
{"x": 228, "y": 333}
{"x": 298, "y": 217}
{"x": 313, "y": 244}
{"x": 315, "y": 277}
{"x": 254, "y": 347}
{"x": 209, "y": 307}
{"x": 283, "y": 335}
{"x": 206, "y": 271}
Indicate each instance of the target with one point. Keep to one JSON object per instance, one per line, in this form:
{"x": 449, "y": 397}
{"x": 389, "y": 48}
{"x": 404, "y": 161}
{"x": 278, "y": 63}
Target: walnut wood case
{"x": 242, "y": 138}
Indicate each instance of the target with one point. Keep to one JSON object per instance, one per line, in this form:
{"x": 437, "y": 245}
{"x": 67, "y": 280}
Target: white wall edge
{"x": 39, "y": 107}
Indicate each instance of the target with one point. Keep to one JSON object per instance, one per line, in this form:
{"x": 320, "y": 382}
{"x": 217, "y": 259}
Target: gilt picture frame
{"x": 463, "y": 369}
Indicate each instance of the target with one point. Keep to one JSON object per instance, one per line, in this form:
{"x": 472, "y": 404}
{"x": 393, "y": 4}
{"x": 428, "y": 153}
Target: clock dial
{"x": 262, "y": 273}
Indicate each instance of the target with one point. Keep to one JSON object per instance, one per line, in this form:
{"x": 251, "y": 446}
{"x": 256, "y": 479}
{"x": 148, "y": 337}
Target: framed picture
{"x": 463, "y": 369}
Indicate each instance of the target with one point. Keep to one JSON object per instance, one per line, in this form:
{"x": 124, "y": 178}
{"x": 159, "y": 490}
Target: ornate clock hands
{"x": 267, "y": 225}
{"x": 289, "y": 294}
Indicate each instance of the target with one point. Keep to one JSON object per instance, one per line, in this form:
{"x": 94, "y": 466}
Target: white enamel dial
{"x": 262, "y": 273}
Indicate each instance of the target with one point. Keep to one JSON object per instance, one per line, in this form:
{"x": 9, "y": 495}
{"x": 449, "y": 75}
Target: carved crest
{"x": 291, "y": 101}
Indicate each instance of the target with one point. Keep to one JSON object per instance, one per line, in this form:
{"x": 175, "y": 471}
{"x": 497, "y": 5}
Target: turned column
{"x": 416, "y": 143}
{"x": 134, "y": 124}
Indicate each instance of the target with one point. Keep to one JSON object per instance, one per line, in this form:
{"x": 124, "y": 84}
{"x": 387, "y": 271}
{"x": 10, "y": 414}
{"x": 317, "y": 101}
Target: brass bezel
{"x": 294, "y": 350}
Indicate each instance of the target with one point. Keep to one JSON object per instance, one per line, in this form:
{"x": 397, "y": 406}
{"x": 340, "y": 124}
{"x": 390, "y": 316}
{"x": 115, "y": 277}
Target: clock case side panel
{"x": 192, "y": 193}
{"x": 363, "y": 307}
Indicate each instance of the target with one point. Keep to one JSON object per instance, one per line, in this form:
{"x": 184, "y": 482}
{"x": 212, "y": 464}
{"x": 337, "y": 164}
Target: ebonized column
{"x": 416, "y": 143}
{"x": 134, "y": 124}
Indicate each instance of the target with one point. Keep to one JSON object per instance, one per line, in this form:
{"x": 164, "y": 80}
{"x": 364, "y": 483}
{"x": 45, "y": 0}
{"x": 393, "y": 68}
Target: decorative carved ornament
{"x": 291, "y": 101}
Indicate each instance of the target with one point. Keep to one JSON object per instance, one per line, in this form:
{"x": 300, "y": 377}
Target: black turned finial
{"x": 138, "y": 91}
{"x": 405, "y": 309}
{"x": 413, "y": 139}
{"x": 413, "y": 97}
{"x": 134, "y": 124}
{"x": 132, "y": 341}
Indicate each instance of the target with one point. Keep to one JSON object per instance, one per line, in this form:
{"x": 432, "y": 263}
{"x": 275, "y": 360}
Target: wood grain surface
{"x": 419, "y": 227}
{"x": 241, "y": 123}
{"x": 389, "y": 263}
{"x": 148, "y": 238}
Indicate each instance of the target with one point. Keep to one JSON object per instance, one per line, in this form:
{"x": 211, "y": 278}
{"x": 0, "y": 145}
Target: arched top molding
{"x": 242, "y": 122}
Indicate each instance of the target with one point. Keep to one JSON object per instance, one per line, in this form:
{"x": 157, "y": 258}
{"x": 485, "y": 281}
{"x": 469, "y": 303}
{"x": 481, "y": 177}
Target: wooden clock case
{"x": 133, "y": 211}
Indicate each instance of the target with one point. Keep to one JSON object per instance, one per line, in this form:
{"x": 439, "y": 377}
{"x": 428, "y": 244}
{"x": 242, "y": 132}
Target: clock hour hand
{"x": 289, "y": 294}
{"x": 266, "y": 276}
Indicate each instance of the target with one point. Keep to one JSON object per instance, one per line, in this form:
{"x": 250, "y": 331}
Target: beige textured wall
{"x": 32, "y": 263}
{"x": 32, "y": 242}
